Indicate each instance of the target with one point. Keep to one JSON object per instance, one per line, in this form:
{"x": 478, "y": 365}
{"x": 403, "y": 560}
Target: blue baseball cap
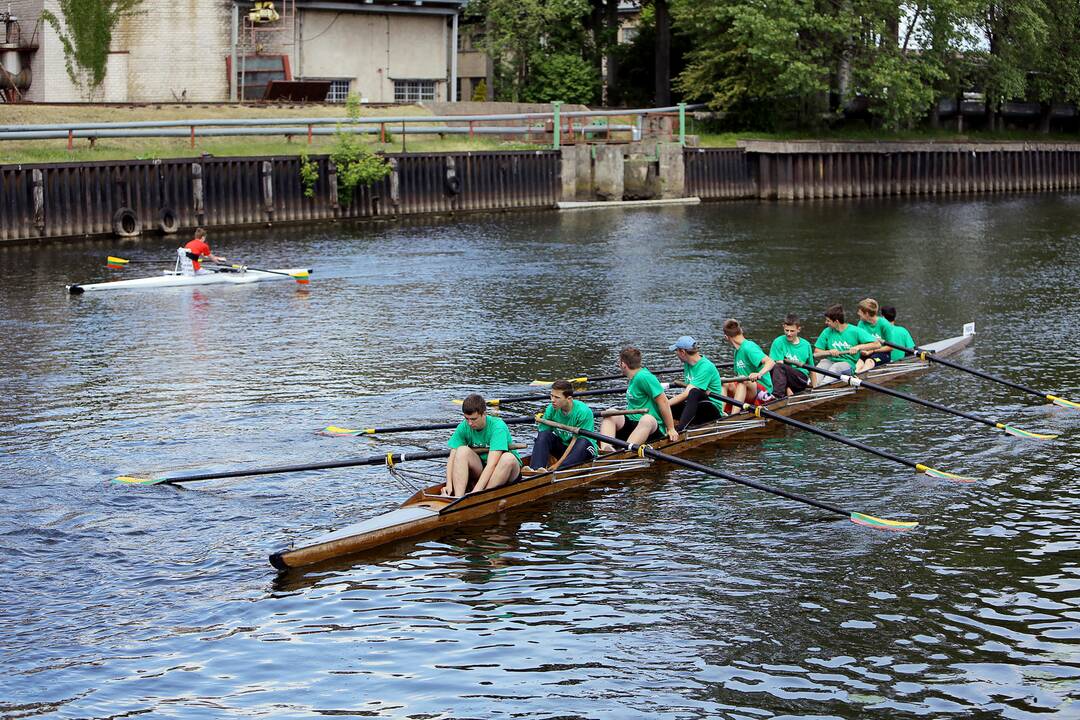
{"x": 684, "y": 343}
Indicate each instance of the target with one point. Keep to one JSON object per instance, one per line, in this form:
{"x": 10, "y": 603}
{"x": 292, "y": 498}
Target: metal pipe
{"x": 234, "y": 32}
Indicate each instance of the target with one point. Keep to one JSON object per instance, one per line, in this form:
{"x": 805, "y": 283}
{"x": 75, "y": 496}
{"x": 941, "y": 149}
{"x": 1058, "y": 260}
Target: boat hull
{"x": 170, "y": 279}
{"x": 427, "y": 512}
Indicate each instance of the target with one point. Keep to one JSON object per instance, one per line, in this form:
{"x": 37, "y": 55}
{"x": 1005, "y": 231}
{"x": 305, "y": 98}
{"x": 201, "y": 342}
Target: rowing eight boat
{"x": 170, "y": 278}
{"x": 427, "y": 511}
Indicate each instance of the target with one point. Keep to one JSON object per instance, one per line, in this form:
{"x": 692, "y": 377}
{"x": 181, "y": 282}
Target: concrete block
{"x": 608, "y": 172}
{"x": 672, "y": 171}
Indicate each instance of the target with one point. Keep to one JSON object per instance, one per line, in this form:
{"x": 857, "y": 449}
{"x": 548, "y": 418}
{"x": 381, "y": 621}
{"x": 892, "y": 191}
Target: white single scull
{"x": 170, "y": 278}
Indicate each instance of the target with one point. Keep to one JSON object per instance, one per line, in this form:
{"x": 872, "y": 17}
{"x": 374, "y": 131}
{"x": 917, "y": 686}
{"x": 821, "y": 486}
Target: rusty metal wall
{"x": 75, "y": 200}
{"x": 718, "y": 174}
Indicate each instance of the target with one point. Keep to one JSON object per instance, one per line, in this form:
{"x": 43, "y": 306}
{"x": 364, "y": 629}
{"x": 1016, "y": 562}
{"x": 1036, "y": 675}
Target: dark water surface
{"x": 669, "y": 595}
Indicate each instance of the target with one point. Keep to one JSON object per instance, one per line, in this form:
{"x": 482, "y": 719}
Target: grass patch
{"x": 729, "y": 139}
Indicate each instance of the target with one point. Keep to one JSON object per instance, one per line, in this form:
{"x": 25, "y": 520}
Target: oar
{"x": 646, "y": 450}
{"x": 546, "y": 396}
{"x": 619, "y": 376}
{"x": 117, "y": 263}
{"x": 303, "y": 277}
{"x": 388, "y": 458}
{"x": 929, "y": 355}
{"x": 859, "y": 382}
{"x": 335, "y": 431}
{"x": 760, "y": 411}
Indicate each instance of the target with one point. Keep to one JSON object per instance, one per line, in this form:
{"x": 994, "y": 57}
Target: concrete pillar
{"x": 608, "y": 172}
{"x": 672, "y": 172}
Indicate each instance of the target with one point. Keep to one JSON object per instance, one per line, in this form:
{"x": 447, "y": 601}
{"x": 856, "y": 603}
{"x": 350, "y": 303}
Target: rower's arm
{"x": 665, "y": 413}
{"x": 766, "y": 367}
{"x": 822, "y": 352}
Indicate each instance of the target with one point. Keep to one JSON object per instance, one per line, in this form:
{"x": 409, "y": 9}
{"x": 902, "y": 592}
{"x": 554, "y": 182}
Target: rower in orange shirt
{"x": 189, "y": 256}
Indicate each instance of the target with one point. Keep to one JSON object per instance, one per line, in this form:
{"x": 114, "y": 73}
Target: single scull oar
{"x": 761, "y": 411}
{"x": 859, "y": 382}
{"x": 647, "y": 451}
{"x": 929, "y": 356}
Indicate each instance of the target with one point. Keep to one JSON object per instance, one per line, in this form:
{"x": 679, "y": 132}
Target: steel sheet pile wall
{"x": 868, "y": 170}
{"x": 54, "y": 200}
{"x": 714, "y": 174}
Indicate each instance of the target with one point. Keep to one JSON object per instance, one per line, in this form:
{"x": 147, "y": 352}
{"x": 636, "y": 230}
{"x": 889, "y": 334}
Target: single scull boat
{"x": 170, "y": 278}
{"x": 427, "y": 511}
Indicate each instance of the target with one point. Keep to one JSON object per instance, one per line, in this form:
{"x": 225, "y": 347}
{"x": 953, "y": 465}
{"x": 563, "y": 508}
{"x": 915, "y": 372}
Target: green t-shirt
{"x": 852, "y": 335}
{"x": 494, "y": 436}
{"x": 580, "y": 416}
{"x": 782, "y": 350}
{"x": 748, "y": 359}
{"x": 900, "y": 336}
{"x": 641, "y": 393}
{"x": 880, "y": 330}
{"x": 704, "y": 376}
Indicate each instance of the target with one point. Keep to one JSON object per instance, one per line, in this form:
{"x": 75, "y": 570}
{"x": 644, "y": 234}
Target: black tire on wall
{"x": 168, "y": 222}
{"x": 452, "y": 184}
{"x": 126, "y": 223}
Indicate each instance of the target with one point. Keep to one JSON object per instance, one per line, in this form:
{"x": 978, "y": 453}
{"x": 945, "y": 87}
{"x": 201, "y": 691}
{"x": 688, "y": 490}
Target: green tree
{"x": 85, "y": 33}
{"x": 565, "y": 77}
{"x": 1016, "y": 34}
{"x": 1056, "y": 73}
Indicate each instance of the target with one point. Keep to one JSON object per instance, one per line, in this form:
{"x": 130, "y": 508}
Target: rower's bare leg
{"x": 864, "y": 364}
{"x": 506, "y": 471}
{"x": 467, "y": 465}
{"x": 741, "y": 390}
{"x": 646, "y": 426}
{"x": 610, "y": 426}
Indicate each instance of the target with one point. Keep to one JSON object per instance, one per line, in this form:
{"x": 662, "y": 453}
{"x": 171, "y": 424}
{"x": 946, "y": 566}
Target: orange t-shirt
{"x": 200, "y": 248}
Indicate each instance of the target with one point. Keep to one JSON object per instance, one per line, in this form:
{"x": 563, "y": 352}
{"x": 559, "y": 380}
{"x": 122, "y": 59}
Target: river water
{"x": 668, "y": 595}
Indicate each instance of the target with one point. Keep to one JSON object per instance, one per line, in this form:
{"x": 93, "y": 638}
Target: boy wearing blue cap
{"x": 701, "y": 377}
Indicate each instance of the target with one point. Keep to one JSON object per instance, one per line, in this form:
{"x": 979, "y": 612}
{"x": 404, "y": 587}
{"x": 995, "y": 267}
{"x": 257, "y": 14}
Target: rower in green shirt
{"x": 839, "y": 344}
{"x": 879, "y": 327}
{"x": 788, "y": 380}
{"x": 497, "y": 466}
{"x": 751, "y": 362}
{"x": 644, "y": 391}
{"x": 899, "y": 335}
{"x": 700, "y": 377}
{"x": 566, "y": 448}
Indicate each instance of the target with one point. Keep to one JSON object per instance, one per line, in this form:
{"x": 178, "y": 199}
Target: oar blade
{"x": 881, "y": 523}
{"x": 115, "y": 263}
{"x": 1062, "y": 402}
{"x": 1021, "y": 433}
{"x": 542, "y": 383}
{"x": 335, "y": 431}
{"x": 302, "y": 277}
{"x": 130, "y": 480}
{"x": 943, "y": 475}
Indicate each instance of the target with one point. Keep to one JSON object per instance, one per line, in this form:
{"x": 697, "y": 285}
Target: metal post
{"x": 682, "y": 124}
{"x": 453, "y": 61}
{"x": 556, "y": 130}
{"x": 235, "y": 30}
{"x": 192, "y": 136}
{"x": 71, "y": 140}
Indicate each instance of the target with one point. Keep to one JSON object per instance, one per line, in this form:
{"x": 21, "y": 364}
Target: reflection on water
{"x": 667, "y": 595}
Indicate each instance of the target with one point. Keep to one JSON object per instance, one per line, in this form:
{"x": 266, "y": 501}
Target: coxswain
{"x": 645, "y": 392}
{"x": 838, "y": 346}
{"x": 786, "y": 379}
{"x": 196, "y": 250}
{"x": 752, "y": 363}
{"x": 872, "y": 322}
{"x": 556, "y": 448}
{"x": 483, "y": 470}
{"x": 693, "y": 405}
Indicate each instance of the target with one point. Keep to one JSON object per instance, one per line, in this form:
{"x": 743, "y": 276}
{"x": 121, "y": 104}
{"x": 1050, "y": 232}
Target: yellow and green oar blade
{"x": 881, "y": 523}
{"x": 1021, "y": 433}
{"x": 943, "y": 475}
{"x": 577, "y": 380}
{"x": 1062, "y": 402}
{"x": 115, "y": 263}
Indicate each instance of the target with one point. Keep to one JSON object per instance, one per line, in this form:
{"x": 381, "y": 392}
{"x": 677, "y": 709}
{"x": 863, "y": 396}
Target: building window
{"x": 629, "y": 35}
{"x": 339, "y": 91}
{"x": 414, "y": 90}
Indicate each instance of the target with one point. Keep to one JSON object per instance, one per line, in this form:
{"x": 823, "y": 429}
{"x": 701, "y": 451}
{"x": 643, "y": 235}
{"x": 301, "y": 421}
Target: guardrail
{"x": 310, "y": 127}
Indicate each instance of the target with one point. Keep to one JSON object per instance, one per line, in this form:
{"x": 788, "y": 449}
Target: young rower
{"x": 879, "y": 327}
{"x": 788, "y": 380}
{"x": 700, "y": 376}
{"x": 751, "y": 362}
{"x": 562, "y": 446}
{"x": 644, "y": 391}
{"x": 839, "y": 344}
{"x": 497, "y": 466}
{"x": 898, "y": 334}
{"x": 197, "y": 249}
